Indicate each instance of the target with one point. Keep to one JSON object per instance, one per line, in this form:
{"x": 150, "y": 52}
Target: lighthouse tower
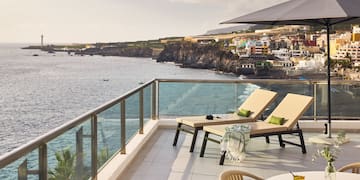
{"x": 42, "y": 41}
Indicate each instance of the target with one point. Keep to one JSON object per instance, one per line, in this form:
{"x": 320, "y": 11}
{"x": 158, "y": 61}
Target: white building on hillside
{"x": 282, "y": 53}
{"x": 349, "y": 51}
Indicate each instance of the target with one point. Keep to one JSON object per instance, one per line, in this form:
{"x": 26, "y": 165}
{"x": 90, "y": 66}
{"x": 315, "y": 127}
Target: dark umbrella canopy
{"x": 307, "y": 12}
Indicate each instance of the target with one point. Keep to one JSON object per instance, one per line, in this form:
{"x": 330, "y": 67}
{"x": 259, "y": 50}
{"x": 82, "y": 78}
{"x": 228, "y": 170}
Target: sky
{"x": 90, "y": 21}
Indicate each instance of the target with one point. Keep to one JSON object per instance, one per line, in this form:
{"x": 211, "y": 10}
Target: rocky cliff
{"x": 200, "y": 56}
{"x": 213, "y": 56}
{"x": 119, "y": 51}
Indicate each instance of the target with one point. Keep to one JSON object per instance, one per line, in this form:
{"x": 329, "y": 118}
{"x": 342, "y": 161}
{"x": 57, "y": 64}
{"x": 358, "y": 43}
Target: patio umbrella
{"x": 307, "y": 12}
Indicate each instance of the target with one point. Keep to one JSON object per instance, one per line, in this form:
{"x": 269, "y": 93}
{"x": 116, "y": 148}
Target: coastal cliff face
{"x": 193, "y": 55}
{"x": 119, "y": 51}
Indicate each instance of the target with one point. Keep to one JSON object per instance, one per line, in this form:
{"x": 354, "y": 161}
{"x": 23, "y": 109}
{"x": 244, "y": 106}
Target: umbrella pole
{"x": 328, "y": 78}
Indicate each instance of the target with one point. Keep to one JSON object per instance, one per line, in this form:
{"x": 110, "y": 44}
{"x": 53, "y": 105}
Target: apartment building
{"x": 349, "y": 51}
{"x": 346, "y": 49}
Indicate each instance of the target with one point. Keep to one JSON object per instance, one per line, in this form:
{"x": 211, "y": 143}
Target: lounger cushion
{"x": 277, "y": 120}
{"x": 244, "y": 113}
{"x": 199, "y": 121}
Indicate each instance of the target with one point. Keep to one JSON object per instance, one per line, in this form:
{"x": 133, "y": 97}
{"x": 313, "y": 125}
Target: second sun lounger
{"x": 291, "y": 108}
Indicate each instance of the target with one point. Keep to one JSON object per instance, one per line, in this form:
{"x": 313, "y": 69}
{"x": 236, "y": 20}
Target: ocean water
{"x": 39, "y": 93}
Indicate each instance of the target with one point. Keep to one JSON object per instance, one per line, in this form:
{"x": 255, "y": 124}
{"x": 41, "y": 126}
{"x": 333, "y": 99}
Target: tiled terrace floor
{"x": 159, "y": 160}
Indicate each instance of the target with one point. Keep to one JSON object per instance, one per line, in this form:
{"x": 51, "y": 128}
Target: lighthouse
{"x": 42, "y": 41}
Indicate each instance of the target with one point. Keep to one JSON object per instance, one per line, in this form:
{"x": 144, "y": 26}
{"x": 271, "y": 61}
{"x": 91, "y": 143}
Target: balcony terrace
{"x": 131, "y": 136}
{"x": 158, "y": 159}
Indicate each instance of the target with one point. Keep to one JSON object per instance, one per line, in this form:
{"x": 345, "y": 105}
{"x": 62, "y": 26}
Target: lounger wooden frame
{"x": 237, "y": 175}
{"x": 256, "y": 103}
{"x": 354, "y": 167}
{"x": 292, "y": 107}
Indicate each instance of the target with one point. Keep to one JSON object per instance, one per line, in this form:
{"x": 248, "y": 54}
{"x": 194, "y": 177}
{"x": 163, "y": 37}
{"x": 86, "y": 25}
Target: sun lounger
{"x": 291, "y": 108}
{"x": 256, "y": 103}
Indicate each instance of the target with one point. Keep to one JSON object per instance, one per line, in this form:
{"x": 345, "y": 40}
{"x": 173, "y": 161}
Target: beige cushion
{"x": 291, "y": 108}
{"x": 258, "y": 101}
{"x": 217, "y": 130}
{"x": 199, "y": 121}
{"x": 264, "y": 127}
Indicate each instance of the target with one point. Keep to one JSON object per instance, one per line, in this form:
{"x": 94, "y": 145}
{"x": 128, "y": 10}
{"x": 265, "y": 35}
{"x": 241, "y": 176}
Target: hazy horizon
{"x": 93, "y": 21}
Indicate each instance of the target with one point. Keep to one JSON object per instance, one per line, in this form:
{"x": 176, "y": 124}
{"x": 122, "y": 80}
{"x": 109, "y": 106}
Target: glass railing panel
{"x": 21, "y": 168}
{"x": 132, "y": 116}
{"x": 69, "y": 154}
{"x": 108, "y": 133}
{"x": 83, "y": 150}
{"x": 281, "y": 88}
{"x": 147, "y": 103}
{"x": 177, "y": 99}
{"x": 344, "y": 100}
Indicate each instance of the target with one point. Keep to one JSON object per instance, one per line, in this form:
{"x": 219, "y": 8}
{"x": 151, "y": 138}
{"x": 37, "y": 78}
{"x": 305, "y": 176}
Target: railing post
{"x": 79, "y": 153}
{"x": 315, "y": 102}
{"x": 155, "y": 94}
{"x": 236, "y": 97}
{"x": 122, "y": 126}
{"x": 43, "y": 162}
{"x": 94, "y": 146}
{"x": 157, "y": 99}
{"x": 23, "y": 171}
{"x": 141, "y": 111}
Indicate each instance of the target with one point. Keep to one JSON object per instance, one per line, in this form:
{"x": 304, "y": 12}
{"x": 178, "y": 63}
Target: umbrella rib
{"x": 273, "y": 23}
{"x": 315, "y": 21}
{"x": 344, "y": 20}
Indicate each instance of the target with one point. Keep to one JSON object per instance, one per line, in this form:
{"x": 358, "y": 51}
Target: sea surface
{"x": 39, "y": 93}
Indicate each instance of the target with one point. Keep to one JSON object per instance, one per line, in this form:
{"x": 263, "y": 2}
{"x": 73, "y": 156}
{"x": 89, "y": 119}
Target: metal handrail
{"x": 337, "y": 82}
{"x": 23, "y": 150}
{"x": 279, "y": 81}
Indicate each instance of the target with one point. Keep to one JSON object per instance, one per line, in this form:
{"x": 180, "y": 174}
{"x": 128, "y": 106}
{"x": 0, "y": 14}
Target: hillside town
{"x": 294, "y": 49}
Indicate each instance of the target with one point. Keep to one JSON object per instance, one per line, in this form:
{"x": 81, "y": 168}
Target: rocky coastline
{"x": 125, "y": 51}
{"x": 118, "y": 51}
{"x": 186, "y": 54}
